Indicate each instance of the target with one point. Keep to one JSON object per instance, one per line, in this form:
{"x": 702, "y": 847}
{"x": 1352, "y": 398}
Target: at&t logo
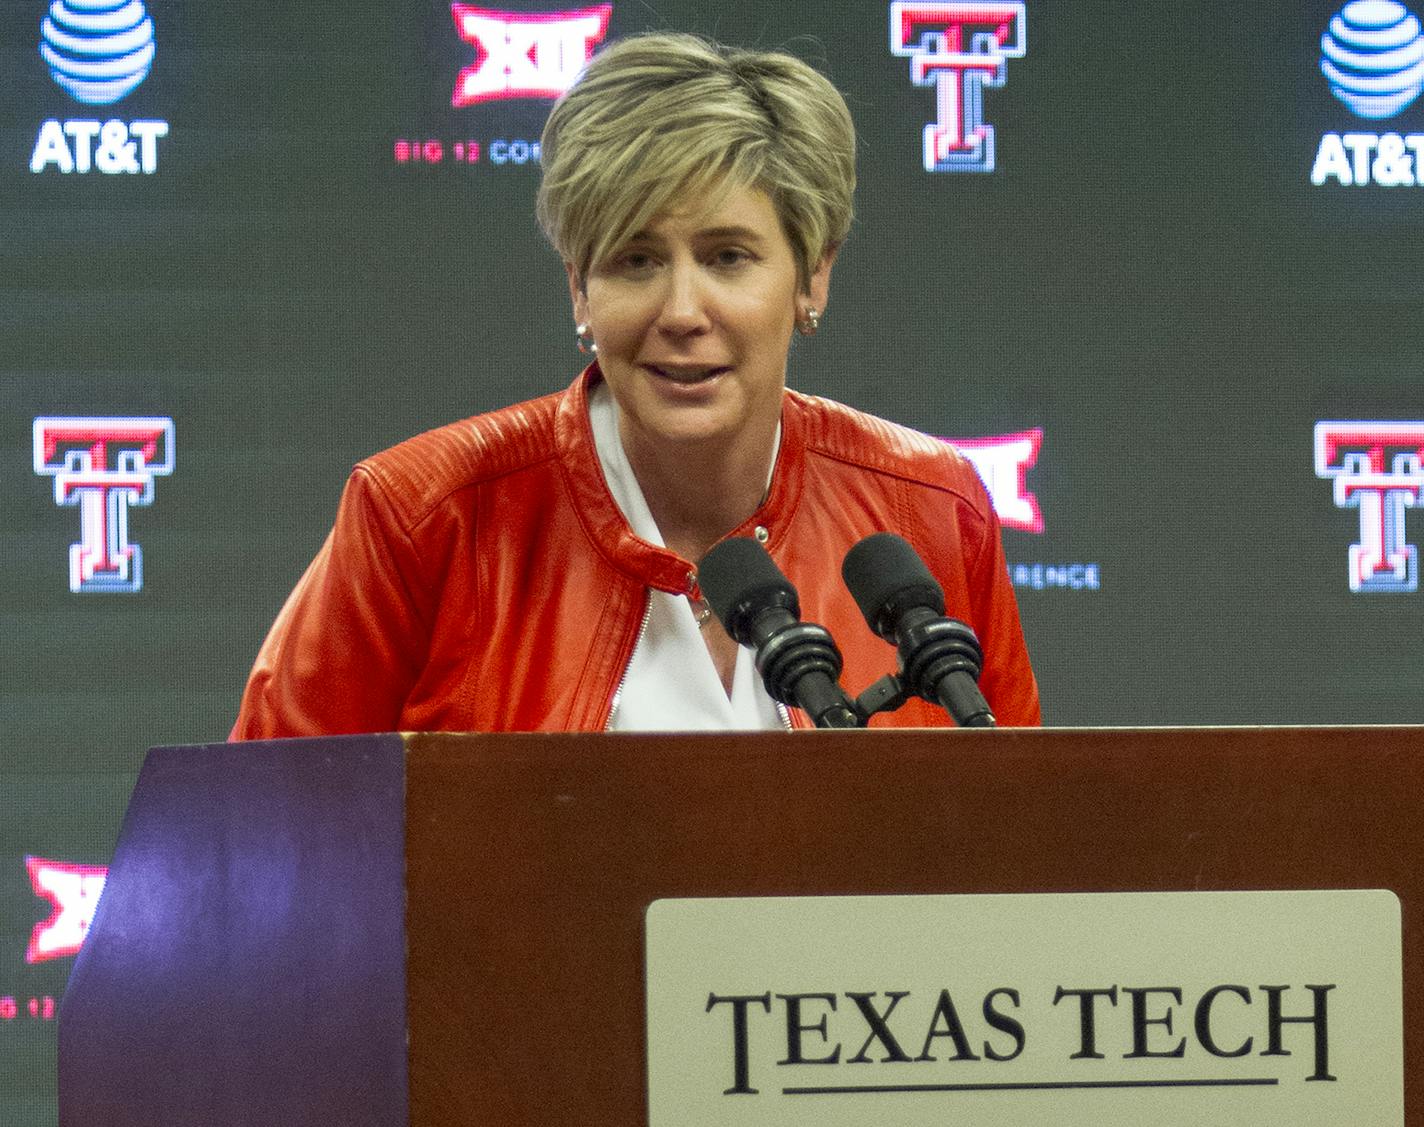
{"x": 1372, "y": 55}
{"x": 99, "y": 51}
{"x": 958, "y": 49}
{"x": 1377, "y": 468}
{"x": 103, "y": 466}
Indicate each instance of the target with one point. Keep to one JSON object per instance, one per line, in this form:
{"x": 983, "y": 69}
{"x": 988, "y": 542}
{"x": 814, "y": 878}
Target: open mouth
{"x": 686, "y": 374}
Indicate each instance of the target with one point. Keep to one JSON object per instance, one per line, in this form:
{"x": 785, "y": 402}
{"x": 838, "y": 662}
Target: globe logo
{"x": 98, "y": 50}
{"x": 1374, "y": 57}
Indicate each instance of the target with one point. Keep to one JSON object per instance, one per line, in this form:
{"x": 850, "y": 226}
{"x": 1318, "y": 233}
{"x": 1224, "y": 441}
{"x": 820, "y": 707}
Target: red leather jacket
{"x": 480, "y": 577}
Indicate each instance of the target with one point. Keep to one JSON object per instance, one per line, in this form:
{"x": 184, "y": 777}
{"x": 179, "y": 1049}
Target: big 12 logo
{"x": 524, "y": 54}
{"x": 73, "y": 892}
{"x": 1002, "y": 462}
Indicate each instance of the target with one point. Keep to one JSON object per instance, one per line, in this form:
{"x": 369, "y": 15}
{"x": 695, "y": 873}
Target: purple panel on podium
{"x": 286, "y": 855}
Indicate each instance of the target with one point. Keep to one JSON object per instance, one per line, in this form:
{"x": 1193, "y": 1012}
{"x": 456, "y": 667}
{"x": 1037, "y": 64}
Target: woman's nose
{"x": 684, "y": 304}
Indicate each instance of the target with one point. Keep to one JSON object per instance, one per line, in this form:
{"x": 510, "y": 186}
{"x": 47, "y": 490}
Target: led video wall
{"x": 1154, "y": 268}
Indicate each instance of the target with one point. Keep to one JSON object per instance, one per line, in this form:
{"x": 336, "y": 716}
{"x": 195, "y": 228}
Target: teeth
{"x": 685, "y": 375}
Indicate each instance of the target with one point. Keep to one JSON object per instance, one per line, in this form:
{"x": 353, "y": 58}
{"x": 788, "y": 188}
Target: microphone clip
{"x": 932, "y": 650}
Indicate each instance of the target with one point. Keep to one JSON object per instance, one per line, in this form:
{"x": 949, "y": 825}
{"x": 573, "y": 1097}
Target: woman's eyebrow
{"x": 732, "y": 231}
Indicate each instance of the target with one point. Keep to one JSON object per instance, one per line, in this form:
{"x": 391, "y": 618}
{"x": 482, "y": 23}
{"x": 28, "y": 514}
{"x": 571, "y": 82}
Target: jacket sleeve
{"x": 350, "y": 640}
{"x": 1006, "y": 679}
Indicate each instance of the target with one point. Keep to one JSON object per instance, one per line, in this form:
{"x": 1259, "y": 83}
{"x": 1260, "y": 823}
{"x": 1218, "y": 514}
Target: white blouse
{"x": 670, "y": 684}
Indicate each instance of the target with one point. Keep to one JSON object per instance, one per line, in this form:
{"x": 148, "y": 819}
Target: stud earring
{"x": 810, "y": 321}
{"x": 585, "y": 339}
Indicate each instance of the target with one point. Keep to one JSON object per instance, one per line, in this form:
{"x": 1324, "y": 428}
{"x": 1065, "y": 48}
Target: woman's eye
{"x": 631, "y": 262}
{"x": 731, "y": 256}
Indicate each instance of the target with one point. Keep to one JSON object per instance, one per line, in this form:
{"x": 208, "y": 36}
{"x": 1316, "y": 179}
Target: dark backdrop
{"x": 1148, "y": 279}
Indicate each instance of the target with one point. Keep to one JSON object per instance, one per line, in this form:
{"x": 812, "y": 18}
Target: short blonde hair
{"x": 661, "y": 117}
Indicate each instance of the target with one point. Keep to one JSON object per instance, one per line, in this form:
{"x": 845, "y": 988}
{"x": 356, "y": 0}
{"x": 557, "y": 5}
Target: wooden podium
{"x": 448, "y": 929}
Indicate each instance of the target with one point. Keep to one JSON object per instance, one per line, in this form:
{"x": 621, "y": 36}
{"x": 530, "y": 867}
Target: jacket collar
{"x": 649, "y": 564}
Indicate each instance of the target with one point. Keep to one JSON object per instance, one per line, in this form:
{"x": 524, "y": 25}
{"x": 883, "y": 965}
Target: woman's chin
{"x": 691, "y": 428}
{"x": 712, "y": 409}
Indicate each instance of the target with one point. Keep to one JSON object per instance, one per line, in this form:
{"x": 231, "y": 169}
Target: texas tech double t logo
{"x": 103, "y": 466}
{"x": 1377, "y": 468}
{"x": 958, "y": 49}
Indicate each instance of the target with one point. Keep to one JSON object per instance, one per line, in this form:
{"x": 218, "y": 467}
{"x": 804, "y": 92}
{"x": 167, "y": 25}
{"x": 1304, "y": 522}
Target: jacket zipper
{"x": 638, "y": 641}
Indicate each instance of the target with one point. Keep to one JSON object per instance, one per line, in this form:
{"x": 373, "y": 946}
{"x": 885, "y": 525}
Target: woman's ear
{"x": 578, "y": 294}
{"x": 818, "y": 286}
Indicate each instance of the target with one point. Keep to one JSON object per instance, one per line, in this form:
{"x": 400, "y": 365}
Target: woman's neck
{"x": 699, "y": 492}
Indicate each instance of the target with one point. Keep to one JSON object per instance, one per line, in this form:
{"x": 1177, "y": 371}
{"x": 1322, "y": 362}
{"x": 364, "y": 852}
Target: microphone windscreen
{"x": 739, "y": 580}
{"x": 886, "y": 577}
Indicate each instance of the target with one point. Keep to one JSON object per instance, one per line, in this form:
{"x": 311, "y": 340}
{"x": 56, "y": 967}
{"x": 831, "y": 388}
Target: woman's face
{"x": 693, "y": 319}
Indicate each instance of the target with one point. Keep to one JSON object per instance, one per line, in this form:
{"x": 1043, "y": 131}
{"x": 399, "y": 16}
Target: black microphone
{"x": 940, "y": 657}
{"x": 798, "y": 661}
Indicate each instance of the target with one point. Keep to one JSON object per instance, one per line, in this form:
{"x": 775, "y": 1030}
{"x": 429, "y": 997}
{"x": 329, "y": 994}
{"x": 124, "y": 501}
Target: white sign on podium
{"x": 1267, "y": 1009}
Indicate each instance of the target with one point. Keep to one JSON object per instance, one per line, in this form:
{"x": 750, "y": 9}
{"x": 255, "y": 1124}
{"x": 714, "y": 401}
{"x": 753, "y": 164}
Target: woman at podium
{"x": 536, "y": 568}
